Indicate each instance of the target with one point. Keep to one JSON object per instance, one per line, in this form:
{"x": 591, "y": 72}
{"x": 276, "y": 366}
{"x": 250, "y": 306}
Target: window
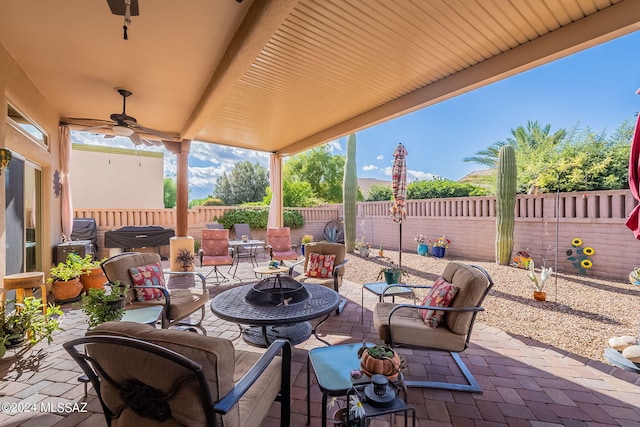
{"x": 26, "y": 126}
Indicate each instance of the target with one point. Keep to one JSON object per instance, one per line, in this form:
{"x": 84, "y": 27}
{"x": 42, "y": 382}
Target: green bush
{"x": 258, "y": 218}
{"x": 439, "y": 188}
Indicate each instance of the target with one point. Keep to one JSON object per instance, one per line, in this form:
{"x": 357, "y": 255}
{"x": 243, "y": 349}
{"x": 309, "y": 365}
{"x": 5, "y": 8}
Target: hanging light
{"x": 5, "y": 158}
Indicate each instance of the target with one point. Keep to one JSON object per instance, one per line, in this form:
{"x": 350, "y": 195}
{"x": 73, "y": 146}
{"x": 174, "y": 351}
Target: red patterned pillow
{"x": 320, "y": 266}
{"x": 440, "y": 295}
{"x": 147, "y": 275}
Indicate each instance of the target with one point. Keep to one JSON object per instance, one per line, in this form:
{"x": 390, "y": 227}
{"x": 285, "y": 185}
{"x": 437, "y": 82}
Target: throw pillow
{"x": 440, "y": 295}
{"x": 320, "y": 266}
{"x": 147, "y": 275}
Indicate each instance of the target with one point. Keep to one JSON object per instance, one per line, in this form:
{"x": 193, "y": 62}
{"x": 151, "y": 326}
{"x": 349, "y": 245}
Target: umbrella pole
{"x": 400, "y": 252}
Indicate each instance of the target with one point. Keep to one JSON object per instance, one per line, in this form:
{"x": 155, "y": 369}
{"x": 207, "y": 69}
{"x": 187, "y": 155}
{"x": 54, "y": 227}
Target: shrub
{"x": 258, "y": 218}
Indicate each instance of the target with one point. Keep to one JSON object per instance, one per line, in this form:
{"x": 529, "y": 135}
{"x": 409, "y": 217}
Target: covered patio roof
{"x": 286, "y": 75}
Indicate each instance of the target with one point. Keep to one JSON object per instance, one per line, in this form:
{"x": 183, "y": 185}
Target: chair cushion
{"x": 440, "y": 295}
{"x": 217, "y": 260}
{"x": 183, "y": 302}
{"x": 147, "y": 275}
{"x": 471, "y": 284}
{"x": 320, "y": 266}
{"x": 284, "y": 256}
{"x": 117, "y": 268}
{"x": 326, "y": 248}
{"x": 409, "y": 328}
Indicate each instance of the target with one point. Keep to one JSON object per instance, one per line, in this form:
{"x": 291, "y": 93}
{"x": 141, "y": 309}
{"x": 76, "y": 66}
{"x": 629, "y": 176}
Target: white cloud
{"x": 415, "y": 175}
{"x": 380, "y": 157}
{"x": 334, "y": 146}
{"x": 369, "y": 168}
{"x": 387, "y": 170}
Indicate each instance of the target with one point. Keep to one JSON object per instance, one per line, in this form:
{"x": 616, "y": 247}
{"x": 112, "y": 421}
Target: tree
{"x": 247, "y": 182}
{"x": 295, "y": 194}
{"x": 321, "y": 169}
{"x": 379, "y": 193}
{"x": 534, "y": 147}
{"x": 441, "y": 187}
{"x": 169, "y": 193}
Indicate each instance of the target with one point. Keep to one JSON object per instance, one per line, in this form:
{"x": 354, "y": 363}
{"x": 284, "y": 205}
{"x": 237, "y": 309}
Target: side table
{"x": 332, "y": 367}
{"x": 23, "y": 284}
{"x": 371, "y": 411}
{"x": 383, "y": 289}
{"x": 148, "y": 315}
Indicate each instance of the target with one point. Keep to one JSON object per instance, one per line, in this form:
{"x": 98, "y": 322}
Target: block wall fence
{"x": 596, "y": 217}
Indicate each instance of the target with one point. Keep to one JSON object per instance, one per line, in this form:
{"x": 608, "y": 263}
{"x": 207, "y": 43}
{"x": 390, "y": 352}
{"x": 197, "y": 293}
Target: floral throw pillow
{"x": 440, "y": 295}
{"x": 320, "y": 266}
{"x": 147, "y": 275}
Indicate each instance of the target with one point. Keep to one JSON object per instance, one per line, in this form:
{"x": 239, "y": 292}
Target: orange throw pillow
{"x": 320, "y": 266}
{"x": 440, "y": 295}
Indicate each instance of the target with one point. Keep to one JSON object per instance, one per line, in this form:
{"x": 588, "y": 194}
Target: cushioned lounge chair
{"x": 146, "y": 377}
{"x": 178, "y": 304}
{"x": 403, "y": 324}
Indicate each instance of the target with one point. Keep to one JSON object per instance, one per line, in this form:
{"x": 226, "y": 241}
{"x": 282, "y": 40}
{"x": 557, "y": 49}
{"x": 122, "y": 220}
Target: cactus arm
{"x": 505, "y": 201}
{"x": 350, "y": 193}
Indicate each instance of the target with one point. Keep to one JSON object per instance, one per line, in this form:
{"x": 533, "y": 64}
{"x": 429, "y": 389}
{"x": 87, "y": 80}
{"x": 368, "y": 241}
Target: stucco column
{"x": 182, "y": 240}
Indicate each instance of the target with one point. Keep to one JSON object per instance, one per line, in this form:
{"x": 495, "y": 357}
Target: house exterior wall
{"x": 17, "y": 88}
{"x": 98, "y": 174}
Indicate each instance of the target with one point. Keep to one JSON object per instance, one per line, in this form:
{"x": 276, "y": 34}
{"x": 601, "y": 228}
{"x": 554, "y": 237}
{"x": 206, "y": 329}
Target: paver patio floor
{"x": 525, "y": 383}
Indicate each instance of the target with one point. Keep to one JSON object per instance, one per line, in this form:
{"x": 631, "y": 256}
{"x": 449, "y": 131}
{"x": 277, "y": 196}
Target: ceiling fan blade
{"x": 153, "y": 132}
{"x": 150, "y": 142}
{"x": 135, "y": 139}
{"x": 92, "y": 128}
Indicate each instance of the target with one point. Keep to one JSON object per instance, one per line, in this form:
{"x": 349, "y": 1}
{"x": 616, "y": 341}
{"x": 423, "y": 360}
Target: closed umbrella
{"x": 399, "y": 187}
{"x": 66, "y": 203}
{"x": 633, "y": 222}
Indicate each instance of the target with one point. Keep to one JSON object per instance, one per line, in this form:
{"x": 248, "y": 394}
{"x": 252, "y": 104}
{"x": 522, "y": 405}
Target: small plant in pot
{"x": 65, "y": 279}
{"x": 392, "y": 273}
{"x": 538, "y": 285}
{"x": 307, "y": 238}
{"x": 380, "y": 359}
{"x": 104, "y": 305}
{"x": 92, "y": 275}
{"x": 27, "y": 323}
{"x": 185, "y": 259}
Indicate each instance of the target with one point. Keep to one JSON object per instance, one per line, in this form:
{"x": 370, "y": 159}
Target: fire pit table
{"x": 276, "y": 309}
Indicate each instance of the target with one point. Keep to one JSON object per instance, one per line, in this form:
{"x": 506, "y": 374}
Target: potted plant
{"x": 391, "y": 274}
{"x": 106, "y": 304}
{"x": 538, "y": 285}
{"x": 380, "y": 359}
{"x": 92, "y": 275}
{"x": 65, "y": 279}
{"x": 307, "y": 238}
{"x": 381, "y": 252}
{"x": 185, "y": 259}
{"x": 27, "y": 323}
{"x": 423, "y": 248}
{"x": 439, "y": 247}
{"x": 634, "y": 276}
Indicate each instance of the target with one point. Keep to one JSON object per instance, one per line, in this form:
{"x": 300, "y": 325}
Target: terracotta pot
{"x": 387, "y": 367}
{"x": 66, "y": 291}
{"x": 539, "y": 296}
{"x": 95, "y": 278}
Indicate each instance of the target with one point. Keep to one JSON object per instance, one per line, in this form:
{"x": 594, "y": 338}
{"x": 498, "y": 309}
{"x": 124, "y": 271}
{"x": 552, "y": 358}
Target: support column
{"x": 182, "y": 240}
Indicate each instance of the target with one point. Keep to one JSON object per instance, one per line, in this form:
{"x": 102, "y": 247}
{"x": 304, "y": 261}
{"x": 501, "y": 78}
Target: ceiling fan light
{"x": 122, "y": 131}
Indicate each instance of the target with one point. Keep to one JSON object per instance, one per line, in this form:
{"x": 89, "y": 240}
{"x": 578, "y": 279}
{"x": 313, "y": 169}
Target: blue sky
{"x": 594, "y": 88}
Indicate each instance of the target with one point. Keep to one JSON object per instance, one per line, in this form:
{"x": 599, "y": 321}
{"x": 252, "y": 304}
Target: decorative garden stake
{"x": 506, "y": 200}
{"x": 349, "y": 194}
{"x": 579, "y": 256}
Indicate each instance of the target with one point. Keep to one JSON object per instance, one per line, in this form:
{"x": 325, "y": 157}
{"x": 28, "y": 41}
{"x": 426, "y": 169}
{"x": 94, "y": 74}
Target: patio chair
{"x": 413, "y": 325}
{"x": 330, "y": 276}
{"x": 214, "y": 251}
{"x": 145, "y": 376}
{"x": 279, "y": 244}
{"x": 245, "y": 251}
{"x": 143, "y": 273}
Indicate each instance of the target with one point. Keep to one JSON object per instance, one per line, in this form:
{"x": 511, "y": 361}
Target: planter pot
{"x": 302, "y": 249}
{"x": 66, "y": 291}
{"x": 423, "y": 250}
{"x": 95, "y": 278}
{"x": 539, "y": 296}
{"x": 438, "y": 251}
{"x": 390, "y": 368}
{"x": 392, "y": 277}
{"x": 364, "y": 251}
{"x": 633, "y": 280}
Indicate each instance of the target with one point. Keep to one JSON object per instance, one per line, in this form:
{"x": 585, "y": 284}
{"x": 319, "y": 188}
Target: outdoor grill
{"x": 274, "y": 291}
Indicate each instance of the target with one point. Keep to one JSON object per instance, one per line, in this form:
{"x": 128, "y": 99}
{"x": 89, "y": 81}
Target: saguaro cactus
{"x": 350, "y": 193}
{"x": 506, "y": 201}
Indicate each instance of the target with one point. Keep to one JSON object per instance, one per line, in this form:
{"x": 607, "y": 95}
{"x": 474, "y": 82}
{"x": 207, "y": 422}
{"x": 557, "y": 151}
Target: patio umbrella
{"x": 633, "y": 222}
{"x": 399, "y": 187}
{"x": 66, "y": 204}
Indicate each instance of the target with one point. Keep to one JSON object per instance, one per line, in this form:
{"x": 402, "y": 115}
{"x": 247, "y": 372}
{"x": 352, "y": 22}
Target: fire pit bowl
{"x": 275, "y": 291}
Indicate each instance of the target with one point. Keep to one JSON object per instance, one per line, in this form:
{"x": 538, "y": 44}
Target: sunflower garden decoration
{"x": 579, "y": 256}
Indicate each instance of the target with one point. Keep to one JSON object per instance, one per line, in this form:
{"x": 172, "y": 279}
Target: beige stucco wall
{"x": 16, "y": 87}
{"x": 103, "y": 177}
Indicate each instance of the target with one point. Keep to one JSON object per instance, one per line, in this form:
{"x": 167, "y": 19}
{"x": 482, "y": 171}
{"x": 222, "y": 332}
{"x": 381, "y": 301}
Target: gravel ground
{"x": 580, "y": 317}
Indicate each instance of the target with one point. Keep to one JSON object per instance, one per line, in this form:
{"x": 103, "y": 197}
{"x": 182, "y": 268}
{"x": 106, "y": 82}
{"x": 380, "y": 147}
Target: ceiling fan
{"x": 121, "y": 124}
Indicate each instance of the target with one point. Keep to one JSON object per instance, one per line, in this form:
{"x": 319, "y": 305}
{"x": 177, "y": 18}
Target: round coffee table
{"x": 268, "y": 323}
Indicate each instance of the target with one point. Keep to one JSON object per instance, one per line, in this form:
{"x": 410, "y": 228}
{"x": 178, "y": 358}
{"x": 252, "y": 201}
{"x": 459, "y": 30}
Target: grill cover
{"x": 138, "y": 237}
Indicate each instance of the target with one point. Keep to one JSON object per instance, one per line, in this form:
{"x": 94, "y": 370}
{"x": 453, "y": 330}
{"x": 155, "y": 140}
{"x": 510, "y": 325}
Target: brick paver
{"x": 524, "y": 382}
